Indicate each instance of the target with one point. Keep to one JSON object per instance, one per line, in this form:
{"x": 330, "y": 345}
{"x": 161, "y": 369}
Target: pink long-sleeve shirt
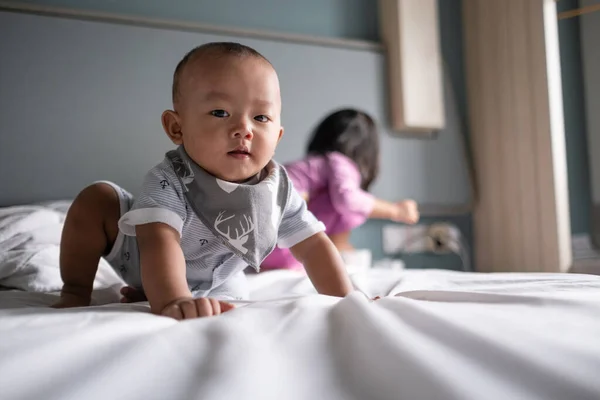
{"x": 332, "y": 183}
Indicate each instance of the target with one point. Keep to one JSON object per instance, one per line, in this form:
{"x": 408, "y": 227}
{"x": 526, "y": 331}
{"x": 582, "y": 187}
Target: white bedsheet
{"x": 29, "y": 248}
{"x": 444, "y": 336}
{"x": 438, "y": 335}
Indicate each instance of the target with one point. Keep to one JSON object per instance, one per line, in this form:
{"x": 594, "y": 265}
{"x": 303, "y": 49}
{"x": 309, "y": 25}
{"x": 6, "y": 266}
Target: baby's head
{"x": 226, "y": 110}
{"x": 354, "y": 134}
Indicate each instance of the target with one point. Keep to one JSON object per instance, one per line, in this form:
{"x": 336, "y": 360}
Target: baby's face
{"x": 229, "y": 115}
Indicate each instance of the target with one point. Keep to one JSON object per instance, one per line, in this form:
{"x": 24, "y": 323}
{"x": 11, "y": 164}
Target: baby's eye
{"x": 219, "y": 113}
{"x": 262, "y": 118}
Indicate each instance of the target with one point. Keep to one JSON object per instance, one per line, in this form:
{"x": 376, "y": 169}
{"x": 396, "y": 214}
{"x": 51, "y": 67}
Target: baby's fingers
{"x": 204, "y": 306}
{"x": 189, "y": 310}
{"x": 173, "y": 311}
{"x": 225, "y": 306}
{"x": 215, "y": 305}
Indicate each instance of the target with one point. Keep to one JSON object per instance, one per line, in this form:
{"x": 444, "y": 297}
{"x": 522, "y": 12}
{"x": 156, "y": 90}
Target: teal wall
{"x": 350, "y": 19}
{"x": 575, "y": 126}
{"x": 353, "y": 19}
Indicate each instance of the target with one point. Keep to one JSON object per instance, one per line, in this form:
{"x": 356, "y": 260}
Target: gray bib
{"x": 245, "y": 217}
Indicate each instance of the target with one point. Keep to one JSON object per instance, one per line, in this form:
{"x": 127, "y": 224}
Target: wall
{"x": 369, "y": 235}
{"x": 351, "y": 19}
{"x": 575, "y": 125}
{"x": 590, "y": 58}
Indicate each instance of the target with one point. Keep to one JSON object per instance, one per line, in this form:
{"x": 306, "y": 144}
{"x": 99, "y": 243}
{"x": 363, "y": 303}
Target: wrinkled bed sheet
{"x": 440, "y": 335}
{"x": 435, "y": 335}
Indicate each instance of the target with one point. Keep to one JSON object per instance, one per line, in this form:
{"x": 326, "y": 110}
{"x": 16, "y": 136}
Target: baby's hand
{"x": 189, "y": 308}
{"x": 407, "y": 212}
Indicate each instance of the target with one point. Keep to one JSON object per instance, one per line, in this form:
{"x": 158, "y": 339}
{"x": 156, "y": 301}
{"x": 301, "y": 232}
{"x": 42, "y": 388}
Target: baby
{"x": 214, "y": 206}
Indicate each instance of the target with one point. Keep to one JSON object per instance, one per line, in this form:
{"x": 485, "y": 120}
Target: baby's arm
{"x": 304, "y": 235}
{"x": 162, "y": 265}
{"x": 156, "y": 219}
{"x": 164, "y": 277}
{"x": 323, "y": 264}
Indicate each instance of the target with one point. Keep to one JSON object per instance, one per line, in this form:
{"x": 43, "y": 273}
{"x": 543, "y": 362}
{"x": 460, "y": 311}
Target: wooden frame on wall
{"x": 410, "y": 32}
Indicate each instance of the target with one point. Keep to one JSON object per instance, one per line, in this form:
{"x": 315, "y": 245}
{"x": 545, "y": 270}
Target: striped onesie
{"x": 212, "y": 269}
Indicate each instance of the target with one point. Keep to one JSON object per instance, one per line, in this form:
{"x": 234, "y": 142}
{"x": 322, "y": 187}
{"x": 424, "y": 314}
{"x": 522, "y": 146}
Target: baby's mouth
{"x": 240, "y": 152}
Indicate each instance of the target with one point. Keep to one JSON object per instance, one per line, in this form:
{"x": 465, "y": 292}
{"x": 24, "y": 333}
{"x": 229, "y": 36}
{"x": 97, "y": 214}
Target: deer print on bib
{"x": 245, "y": 217}
{"x": 237, "y": 238}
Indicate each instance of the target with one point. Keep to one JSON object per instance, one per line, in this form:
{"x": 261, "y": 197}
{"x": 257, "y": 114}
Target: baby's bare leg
{"x": 89, "y": 232}
{"x": 132, "y": 295}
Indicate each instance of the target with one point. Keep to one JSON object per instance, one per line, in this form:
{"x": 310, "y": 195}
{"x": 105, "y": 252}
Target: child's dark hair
{"x": 354, "y": 134}
{"x": 212, "y": 49}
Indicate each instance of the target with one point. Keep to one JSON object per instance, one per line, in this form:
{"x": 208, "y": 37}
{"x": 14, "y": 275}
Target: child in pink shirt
{"x": 334, "y": 178}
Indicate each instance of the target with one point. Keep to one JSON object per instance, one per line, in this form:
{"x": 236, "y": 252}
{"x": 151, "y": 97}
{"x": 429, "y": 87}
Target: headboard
{"x": 81, "y": 101}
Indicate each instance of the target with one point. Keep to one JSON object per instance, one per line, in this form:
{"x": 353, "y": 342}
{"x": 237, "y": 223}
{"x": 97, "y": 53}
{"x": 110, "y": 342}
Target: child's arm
{"x": 164, "y": 275}
{"x": 404, "y": 211}
{"x": 323, "y": 264}
{"x": 350, "y": 200}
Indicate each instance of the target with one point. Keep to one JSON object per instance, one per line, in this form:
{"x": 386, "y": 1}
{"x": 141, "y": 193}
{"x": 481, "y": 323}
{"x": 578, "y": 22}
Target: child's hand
{"x": 407, "y": 212}
{"x": 189, "y": 308}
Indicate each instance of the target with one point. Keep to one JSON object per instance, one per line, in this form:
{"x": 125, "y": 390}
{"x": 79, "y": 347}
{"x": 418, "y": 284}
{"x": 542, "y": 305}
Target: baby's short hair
{"x": 213, "y": 49}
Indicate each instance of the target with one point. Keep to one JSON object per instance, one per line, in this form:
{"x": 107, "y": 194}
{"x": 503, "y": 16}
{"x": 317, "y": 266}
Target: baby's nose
{"x": 243, "y": 130}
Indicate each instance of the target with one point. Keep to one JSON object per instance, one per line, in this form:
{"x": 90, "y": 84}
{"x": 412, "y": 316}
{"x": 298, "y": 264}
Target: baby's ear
{"x": 172, "y": 126}
{"x": 280, "y": 134}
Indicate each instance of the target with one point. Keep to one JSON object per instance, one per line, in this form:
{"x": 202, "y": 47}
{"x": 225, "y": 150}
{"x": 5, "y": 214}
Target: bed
{"x": 434, "y": 335}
